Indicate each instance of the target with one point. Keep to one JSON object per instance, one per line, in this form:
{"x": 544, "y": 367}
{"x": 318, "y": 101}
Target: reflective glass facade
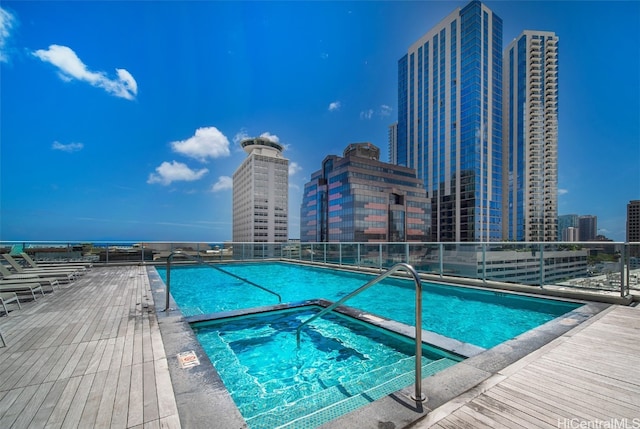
{"x": 531, "y": 138}
{"x": 357, "y": 198}
{"x": 450, "y": 122}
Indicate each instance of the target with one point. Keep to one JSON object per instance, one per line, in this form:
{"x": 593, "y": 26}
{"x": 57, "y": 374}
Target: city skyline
{"x": 131, "y": 131}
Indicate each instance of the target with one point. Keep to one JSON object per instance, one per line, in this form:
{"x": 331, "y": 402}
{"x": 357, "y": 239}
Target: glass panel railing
{"x": 607, "y": 267}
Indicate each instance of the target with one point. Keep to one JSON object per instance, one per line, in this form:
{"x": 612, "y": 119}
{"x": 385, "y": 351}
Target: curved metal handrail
{"x": 418, "y": 396}
{"x": 200, "y": 261}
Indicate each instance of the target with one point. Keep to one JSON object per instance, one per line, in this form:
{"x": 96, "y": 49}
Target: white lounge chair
{"x": 8, "y": 275}
{"x": 34, "y": 264}
{"x": 25, "y": 289}
{"x": 22, "y": 270}
{"x": 52, "y": 282}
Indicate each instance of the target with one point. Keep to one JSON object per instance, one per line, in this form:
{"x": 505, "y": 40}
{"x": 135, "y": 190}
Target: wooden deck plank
{"x": 46, "y": 408}
{"x": 62, "y": 362}
{"x": 8, "y": 399}
{"x": 150, "y": 396}
{"x": 166, "y": 400}
{"x": 522, "y": 403}
{"x": 55, "y": 354}
{"x": 21, "y": 401}
{"x": 107, "y": 400}
{"x": 170, "y": 422}
{"x": 121, "y": 405}
{"x": 508, "y": 411}
{"x": 593, "y": 384}
{"x": 136, "y": 396}
{"x": 92, "y": 404}
{"x": 96, "y": 358}
{"x": 28, "y": 413}
{"x": 587, "y": 375}
{"x": 59, "y": 412}
{"x": 73, "y": 360}
{"x": 26, "y": 365}
{"x": 74, "y": 413}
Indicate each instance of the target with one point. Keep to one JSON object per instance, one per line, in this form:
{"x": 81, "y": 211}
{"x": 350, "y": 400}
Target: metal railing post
{"x": 200, "y": 261}
{"x": 418, "y": 395}
{"x": 542, "y": 266}
{"x": 168, "y": 291}
{"x": 441, "y": 257}
{"x": 484, "y": 262}
{"x": 623, "y": 262}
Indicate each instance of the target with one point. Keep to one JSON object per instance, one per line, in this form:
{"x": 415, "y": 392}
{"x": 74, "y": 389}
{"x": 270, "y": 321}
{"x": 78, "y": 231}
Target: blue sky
{"x": 120, "y": 120}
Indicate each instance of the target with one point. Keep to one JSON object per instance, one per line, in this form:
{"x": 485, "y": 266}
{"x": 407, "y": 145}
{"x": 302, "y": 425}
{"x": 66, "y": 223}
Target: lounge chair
{"x": 34, "y": 264}
{"x": 26, "y": 289}
{"x": 21, "y": 270}
{"x": 52, "y": 282}
{"x": 35, "y": 276}
{"x": 7, "y": 298}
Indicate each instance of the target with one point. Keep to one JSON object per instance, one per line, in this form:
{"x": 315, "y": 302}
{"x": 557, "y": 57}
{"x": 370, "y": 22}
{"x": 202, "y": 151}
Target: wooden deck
{"x": 89, "y": 354}
{"x": 587, "y": 378}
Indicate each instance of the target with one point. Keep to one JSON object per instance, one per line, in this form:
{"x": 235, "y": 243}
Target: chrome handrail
{"x": 200, "y": 261}
{"x": 418, "y": 396}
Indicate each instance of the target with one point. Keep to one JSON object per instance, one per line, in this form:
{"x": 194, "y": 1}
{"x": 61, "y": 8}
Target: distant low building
{"x": 358, "y": 198}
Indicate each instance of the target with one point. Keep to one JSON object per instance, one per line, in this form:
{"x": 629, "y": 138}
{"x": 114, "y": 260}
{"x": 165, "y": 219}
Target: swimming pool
{"x": 480, "y": 317}
{"x": 341, "y": 364}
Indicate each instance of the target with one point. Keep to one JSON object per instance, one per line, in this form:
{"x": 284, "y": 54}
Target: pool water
{"x": 479, "y": 317}
{"x": 341, "y": 365}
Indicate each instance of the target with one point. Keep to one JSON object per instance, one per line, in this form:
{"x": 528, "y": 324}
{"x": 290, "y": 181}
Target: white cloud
{"x": 224, "y": 183}
{"x": 272, "y": 137}
{"x": 175, "y": 172}
{"x": 563, "y": 191}
{"x": 7, "y": 22}
{"x": 71, "y": 147}
{"x": 385, "y": 110}
{"x": 294, "y": 167}
{"x": 334, "y": 106}
{"x": 207, "y": 142}
{"x": 240, "y": 135}
{"x": 71, "y": 67}
{"x": 367, "y": 114}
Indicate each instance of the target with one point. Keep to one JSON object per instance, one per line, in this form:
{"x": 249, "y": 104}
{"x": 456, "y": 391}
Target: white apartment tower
{"x": 261, "y": 193}
{"x": 530, "y": 137}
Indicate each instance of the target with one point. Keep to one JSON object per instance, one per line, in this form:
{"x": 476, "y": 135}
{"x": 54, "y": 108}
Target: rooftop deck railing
{"x": 609, "y": 267}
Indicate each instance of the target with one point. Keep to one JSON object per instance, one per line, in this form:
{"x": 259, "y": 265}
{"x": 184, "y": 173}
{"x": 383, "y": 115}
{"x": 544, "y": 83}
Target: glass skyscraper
{"x": 531, "y": 137}
{"x": 358, "y": 198}
{"x": 450, "y": 122}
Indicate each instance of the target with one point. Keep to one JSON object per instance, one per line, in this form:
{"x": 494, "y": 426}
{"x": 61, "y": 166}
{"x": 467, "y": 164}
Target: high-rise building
{"x": 357, "y": 198}
{"x": 588, "y": 225}
{"x": 530, "y": 139}
{"x": 450, "y": 122}
{"x": 633, "y": 226}
{"x": 260, "y": 193}
{"x": 565, "y": 222}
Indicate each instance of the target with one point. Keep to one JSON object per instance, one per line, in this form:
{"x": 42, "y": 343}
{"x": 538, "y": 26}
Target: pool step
{"x": 336, "y": 401}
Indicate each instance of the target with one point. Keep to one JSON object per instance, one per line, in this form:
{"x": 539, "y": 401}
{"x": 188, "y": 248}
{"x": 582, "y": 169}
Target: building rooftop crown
{"x": 249, "y": 144}
{"x": 362, "y": 150}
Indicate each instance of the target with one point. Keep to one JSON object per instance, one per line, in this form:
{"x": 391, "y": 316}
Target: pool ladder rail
{"x": 200, "y": 261}
{"x": 418, "y": 395}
